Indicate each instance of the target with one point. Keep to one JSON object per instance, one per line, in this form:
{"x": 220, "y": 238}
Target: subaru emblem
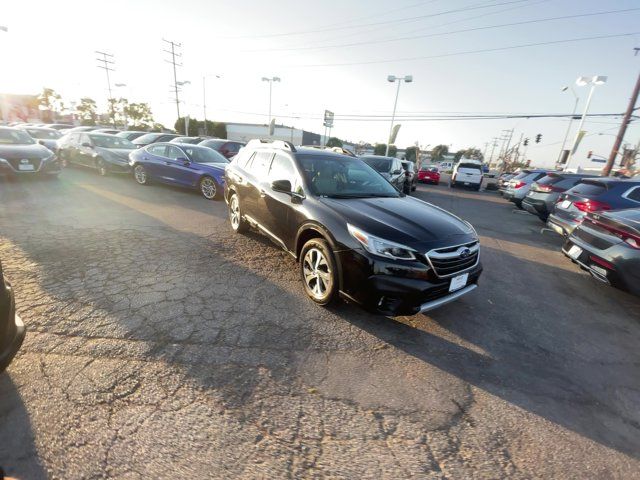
{"x": 24, "y": 161}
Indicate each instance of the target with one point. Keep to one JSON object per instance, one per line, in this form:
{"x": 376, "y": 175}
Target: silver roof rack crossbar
{"x": 267, "y": 143}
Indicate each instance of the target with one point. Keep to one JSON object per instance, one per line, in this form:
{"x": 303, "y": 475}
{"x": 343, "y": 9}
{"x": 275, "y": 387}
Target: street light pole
{"x": 594, "y": 81}
{"x": 573, "y": 114}
{"x": 270, "y": 80}
{"x": 204, "y": 101}
{"x": 393, "y": 78}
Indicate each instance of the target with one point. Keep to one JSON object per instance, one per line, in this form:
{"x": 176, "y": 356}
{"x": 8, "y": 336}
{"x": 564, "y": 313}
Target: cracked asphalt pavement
{"x": 161, "y": 345}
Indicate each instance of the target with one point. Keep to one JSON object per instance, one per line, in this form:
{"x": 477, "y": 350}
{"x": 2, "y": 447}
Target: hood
{"x": 119, "y": 153}
{"x": 407, "y": 220}
{"x": 31, "y": 152}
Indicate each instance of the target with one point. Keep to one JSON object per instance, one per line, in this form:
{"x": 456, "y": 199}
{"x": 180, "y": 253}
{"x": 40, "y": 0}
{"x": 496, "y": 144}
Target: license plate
{"x": 574, "y": 252}
{"x": 26, "y": 167}
{"x": 466, "y": 183}
{"x": 565, "y": 204}
{"x": 458, "y": 282}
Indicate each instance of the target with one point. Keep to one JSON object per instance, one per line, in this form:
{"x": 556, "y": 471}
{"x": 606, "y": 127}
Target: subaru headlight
{"x": 380, "y": 247}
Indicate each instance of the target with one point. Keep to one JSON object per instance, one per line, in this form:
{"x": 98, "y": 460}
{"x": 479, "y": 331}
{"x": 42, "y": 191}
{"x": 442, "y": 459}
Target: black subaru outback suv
{"x": 354, "y": 235}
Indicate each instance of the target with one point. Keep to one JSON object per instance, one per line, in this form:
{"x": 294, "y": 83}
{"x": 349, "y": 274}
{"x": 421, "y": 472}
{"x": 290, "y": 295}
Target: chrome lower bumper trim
{"x": 425, "y": 307}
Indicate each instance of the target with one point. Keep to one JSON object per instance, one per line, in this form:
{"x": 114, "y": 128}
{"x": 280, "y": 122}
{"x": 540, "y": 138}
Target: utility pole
{"x": 106, "y": 63}
{"x": 493, "y": 148}
{"x": 173, "y": 45}
{"x": 606, "y": 171}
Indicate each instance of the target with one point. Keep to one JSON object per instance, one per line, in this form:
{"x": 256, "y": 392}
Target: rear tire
{"x": 238, "y": 223}
{"x": 318, "y": 272}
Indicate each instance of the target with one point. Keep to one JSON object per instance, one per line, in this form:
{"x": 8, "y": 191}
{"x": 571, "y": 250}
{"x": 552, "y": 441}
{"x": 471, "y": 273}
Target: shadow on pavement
{"x": 18, "y": 454}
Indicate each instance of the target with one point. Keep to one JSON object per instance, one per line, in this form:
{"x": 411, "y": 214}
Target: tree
{"x": 474, "y": 153}
{"x": 381, "y": 148}
{"x": 438, "y": 152}
{"x": 140, "y": 116}
{"x": 214, "y": 129}
{"x": 334, "y": 142}
{"x": 411, "y": 154}
{"x": 87, "y": 111}
{"x": 118, "y": 110}
{"x": 50, "y": 103}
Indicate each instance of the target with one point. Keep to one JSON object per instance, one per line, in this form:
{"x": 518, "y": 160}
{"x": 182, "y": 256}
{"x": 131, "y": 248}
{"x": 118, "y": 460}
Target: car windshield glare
{"x": 111, "y": 141}
{"x": 15, "y": 137}
{"x": 204, "y": 155}
{"x": 344, "y": 177}
{"x": 146, "y": 138}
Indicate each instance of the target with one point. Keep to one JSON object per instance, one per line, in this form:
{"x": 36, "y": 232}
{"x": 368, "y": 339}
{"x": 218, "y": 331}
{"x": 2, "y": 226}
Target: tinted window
{"x": 634, "y": 195}
{"x": 157, "y": 150}
{"x": 215, "y": 144}
{"x": 44, "y": 134}
{"x": 260, "y": 164}
{"x": 111, "y": 141}
{"x": 566, "y": 183}
{"x": 469, "y": 166}
{"x": 233, "y": 147}
{"x": 589, "y": 189}
{"x": 379, "y": 164}
{"x": 550, "y": 180}
{"x": 147, "y": 138}
{"x": 521, "y": 175}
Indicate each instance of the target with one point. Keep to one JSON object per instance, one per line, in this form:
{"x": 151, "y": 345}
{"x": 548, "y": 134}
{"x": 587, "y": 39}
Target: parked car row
{"x": 599, "y": 218}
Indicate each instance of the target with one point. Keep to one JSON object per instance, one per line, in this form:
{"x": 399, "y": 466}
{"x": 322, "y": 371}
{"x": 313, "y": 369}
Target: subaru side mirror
{"x": 184, "y": 161}
{"x": 283, "y": 186}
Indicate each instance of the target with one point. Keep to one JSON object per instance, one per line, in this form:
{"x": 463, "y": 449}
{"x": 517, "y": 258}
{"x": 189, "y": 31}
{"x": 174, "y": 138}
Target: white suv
{"x": 467, "y": 173}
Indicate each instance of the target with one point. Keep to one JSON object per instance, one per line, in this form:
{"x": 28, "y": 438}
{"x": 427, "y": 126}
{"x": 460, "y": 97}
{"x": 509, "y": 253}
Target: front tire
{"x": 140, "y": 175}
{"x": 238, "y": 224}
{"x": 318, "y": 272}
{"x": 209, "y": 188}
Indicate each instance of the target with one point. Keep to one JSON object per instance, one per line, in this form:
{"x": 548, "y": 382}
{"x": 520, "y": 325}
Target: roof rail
{"x": 267, "y": 143}
{"x": 340, "y": 150}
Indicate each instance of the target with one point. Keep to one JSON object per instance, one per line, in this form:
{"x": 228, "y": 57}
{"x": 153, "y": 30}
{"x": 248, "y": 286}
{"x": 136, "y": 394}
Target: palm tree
{"x": 439, "y": 151}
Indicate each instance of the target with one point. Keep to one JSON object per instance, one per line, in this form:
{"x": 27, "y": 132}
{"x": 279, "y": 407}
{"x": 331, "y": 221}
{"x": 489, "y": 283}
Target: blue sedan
{"x": 180, "y": 164}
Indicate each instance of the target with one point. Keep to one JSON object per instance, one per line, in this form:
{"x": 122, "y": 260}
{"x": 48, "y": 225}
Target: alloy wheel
{"x": 208, "y": 188}
{"x": 140, "y": 174}
{"x": 317, "y": 274}
{"x": 234, "y": 212}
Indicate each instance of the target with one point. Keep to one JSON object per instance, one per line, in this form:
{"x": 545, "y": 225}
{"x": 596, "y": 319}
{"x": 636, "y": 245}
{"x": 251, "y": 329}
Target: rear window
{"x": 567, "y": 183}
{"x": 551, "y": 180}
{"x": 589, "y": 189}
{"x": 470, "y": 166}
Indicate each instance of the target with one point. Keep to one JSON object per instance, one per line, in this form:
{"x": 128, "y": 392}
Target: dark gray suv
{"x": 544, "y": 193}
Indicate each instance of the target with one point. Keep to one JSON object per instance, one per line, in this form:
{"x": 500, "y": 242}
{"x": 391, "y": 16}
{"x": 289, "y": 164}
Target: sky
{"x": 336, "y": 55}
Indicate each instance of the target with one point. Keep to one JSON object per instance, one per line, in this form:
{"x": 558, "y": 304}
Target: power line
{"x": 386, "y": 22}
{"x": 467, "y": 52}
{"x": 452, "y": 32}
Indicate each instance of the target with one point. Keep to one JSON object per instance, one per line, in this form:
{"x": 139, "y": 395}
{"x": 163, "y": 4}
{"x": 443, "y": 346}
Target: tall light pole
{"x": 393, "y": 78}
{"x": 581, "y": 82}
{"x": 573, "y": 114}
{"x": 107, "y": 63}
{"x": 270, "y": 80}
{"x": 186, "y": 117}
{"x": 204, "y": 100}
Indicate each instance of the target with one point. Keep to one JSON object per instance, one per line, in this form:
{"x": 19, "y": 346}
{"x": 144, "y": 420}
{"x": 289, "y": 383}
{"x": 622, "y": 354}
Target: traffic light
{"x": 538, "y": 138}
{"x": 590, "y": 153}
{"x": 526, "y": 142}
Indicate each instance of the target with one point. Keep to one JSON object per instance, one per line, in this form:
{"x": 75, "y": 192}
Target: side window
{"x": 158, "y": 150}
{"x": 397, "y": 165}
{"x": 282, "y": 169}
{"x": 174, "y": 152}
{"x": 634, "y": 194}
{"x": 260, "y": 164}
{"x": 233, "y": 148}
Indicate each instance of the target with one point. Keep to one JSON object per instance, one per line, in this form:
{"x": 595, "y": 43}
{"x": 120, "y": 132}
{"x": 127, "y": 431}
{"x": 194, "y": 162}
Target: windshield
{"x": 342, "y": 177}
{"x": 427, "y": 168}
{"x": 15, "y": 137}
{"x": 382, "y": 164}
{"x": 44, "y": 134}
{"x": 111, "y": 141}
{"x": 212, "y": 143}
{"x": 147, "y": 138}
{"x": 204, "y": 155}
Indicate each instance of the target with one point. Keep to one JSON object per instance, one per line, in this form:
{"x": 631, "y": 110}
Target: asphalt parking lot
{"x": 161, "y": 345}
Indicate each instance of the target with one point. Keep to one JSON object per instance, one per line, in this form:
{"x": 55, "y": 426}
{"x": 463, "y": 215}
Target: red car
{"x": 428, "y": 174}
